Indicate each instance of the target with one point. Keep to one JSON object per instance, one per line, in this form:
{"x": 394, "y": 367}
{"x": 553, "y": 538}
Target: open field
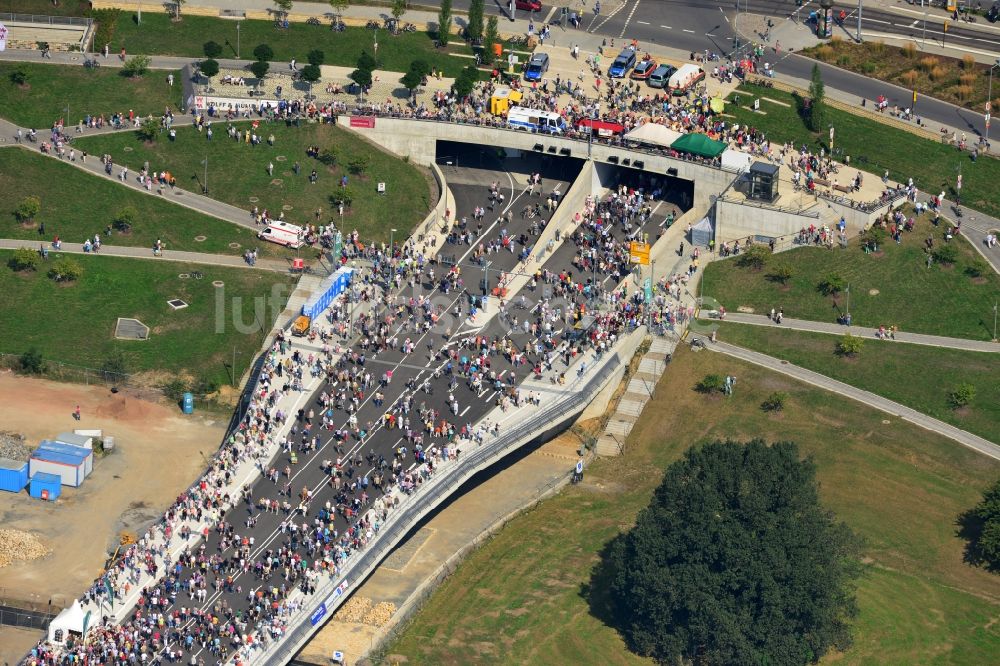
{"x": 896, "y": 370}
{"x": 50, "y": 89}
{"x": 67, "y": 215}
{"x": 160, "y": 36}
{"x": 893, "y": 288}
{"x": 874, "y": 147}
{"x": 519, "y": 598}
{"x": 75, "y": 323}
{"x": 237, "y": 174}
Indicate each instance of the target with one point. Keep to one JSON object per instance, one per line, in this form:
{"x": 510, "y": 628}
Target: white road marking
{"x": 667, "y": 27}
{"x": 686, "y": 30}
{"x": 643, "y": 22}
{"x": 467, "y": 408}
{"x": 629, "y": 18}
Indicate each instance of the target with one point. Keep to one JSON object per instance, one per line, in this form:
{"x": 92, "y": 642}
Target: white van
{"x": 534, "y": 120}
{"x": 283, "y": 233}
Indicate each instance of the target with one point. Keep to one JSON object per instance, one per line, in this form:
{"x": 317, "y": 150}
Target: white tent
{"x": 72, "y": 620}
{"x": 736, "y": 160}
{"x": 654, "y": 134}
{"x": 702, "y": 232}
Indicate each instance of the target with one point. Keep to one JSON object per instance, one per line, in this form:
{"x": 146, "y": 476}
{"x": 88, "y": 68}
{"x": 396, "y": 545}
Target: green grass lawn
{"x": 238, "y": 172}
{"x": 939, "y": 300}
{"x": 875, "y": 147}
{"x": 518, "y": 599}
{"x": 73, "y": 219}
{"x": 51, "y": 88}
{"x": 897, "y": 371}
{"x": 75, "y": 324}
{"x": 46, "y": 8}
{"x": 158, "y": 35}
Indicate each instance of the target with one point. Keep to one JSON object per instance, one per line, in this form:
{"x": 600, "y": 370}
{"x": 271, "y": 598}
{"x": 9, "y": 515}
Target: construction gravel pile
{"x": 16, "y": 545}
{"x": 361, "y": 610}
{"x": 14, "y": 446}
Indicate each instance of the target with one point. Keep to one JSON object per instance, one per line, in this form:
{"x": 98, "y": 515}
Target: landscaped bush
{"x": 962, "y": 395}
{"x": 850, "y": 345}
{"x": 24, "y": 259}
{"x": 774, "y": 402}
{"x": 710, "y": 384}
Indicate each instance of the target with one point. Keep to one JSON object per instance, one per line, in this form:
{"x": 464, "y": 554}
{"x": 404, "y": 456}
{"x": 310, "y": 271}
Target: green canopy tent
{"x": 699, "y": 144}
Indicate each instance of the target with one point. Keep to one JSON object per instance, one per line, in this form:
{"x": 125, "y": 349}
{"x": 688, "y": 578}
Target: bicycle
{"x": 197, "y": 275}
{"x": 373, "y": 25}
{"x": 409, "y": 27}
{"x": 312, "y": 20}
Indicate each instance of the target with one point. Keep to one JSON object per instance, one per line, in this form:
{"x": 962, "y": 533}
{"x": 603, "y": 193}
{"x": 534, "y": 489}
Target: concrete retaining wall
{"x": 735, "y": 220}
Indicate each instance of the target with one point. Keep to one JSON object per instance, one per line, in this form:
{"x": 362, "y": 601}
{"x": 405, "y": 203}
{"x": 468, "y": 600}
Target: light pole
{"x": 994, "y": 321}
{"x": 238, "y": 39}
{"x": 860, "y": 2}
{"x": 205, "y": 185}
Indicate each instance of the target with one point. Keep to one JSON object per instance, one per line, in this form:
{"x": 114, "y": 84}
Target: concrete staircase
{"x": 638, "y": 392}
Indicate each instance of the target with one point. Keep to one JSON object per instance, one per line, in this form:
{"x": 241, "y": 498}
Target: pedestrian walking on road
{"x": 76, "y": 413}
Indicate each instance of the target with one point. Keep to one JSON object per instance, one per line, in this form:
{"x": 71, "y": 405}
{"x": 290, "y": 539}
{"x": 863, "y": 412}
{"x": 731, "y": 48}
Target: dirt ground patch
{"x": 158, "y": 454}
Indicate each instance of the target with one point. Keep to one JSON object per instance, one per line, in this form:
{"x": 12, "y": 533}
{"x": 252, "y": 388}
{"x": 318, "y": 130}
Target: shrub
{"x": 831, "y": 285}
{"x": 359, "y": 164}
{"x": 259, "y": 68}
{"x": 968, "y": 63}
{"x": 208, "y": 68}
{"x": 710, "y": 384}
{"x": 910, "y": 50}
{"x": 204, "y": 385}
{"x": 869, "y": 67}
{"x": 28, "y": 209}
{"x": 343, "y": 195}
{"x": 66, "y": 270}
{"x": 755, "y": 257}
{"x": 824, "y": 53}
{"x": 329, "y": 157}
{"x": 977, "y": 268}
{"x": 363, "y": 77}
{"x": 114, "y": 368}
{"x": 844, "y": 60}
{"x": 136, "y": 66}
{"x": 850, "y": 345}
{"x": 879, "y": 48}
{"x": 107, "y": 22}
{"x": 316, "y": 57}
{"x": 774, "y": 402}
{"x": 938, "y": 73}
{"x": 148, "y": 130}
{"x": 962, "y": 395}
{"x": 927, "y": 63}
{"x": 874, "y": 234}
{"x": 124, "y": 219}
{"x": 263, "y": 52}
{"x": 212, "y": 49}
{"x": 311, "y": 73}
{"x": 945, "y": 253}
{"x": 23, "y": 259}
{"x": 175, "y": 389}
{"x": 19, "y": 77}
{"x": 967, "y": 79}
{"x": 963, "y": 92}
{"x": 909, "y": 77}
{"x": 781, "y": 273}
{"x": 31, "y": 362}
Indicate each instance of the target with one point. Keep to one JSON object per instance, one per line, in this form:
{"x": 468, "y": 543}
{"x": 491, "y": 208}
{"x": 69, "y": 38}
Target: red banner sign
{"x": 363, "y": 121}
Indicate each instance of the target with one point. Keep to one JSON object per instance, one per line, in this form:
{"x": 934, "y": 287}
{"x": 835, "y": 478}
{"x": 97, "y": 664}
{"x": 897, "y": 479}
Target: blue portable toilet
{"x": 45, "y": 486}
{"x": 13, "y": 475}
{"x": 188, "y": 403}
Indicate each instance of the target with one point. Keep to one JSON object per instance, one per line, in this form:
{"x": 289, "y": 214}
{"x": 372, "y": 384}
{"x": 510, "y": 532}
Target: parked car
{"x": 529, "y": 5}
{"x": 660, "y": 76}
{"x": 537, "y": 66}
{"x": 622, "y": 64}
{"x": 643, "y": 69}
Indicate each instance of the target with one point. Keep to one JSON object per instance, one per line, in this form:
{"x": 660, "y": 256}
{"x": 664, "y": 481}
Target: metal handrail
{"x": 414, "y": 508}
{"x": 44, "y": 19}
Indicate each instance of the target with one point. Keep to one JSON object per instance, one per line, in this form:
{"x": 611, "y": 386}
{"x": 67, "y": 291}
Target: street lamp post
{"x": 994, "y": 321}
{"x": 860, "y": 2}
{"x": 989, "y": 97}
{"x": 238, "y": 39}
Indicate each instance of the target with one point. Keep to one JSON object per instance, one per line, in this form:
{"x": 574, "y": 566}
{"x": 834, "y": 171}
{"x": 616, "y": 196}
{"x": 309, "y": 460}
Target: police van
{"x": 534, "y": 120}
{"x": 283, "y": 233}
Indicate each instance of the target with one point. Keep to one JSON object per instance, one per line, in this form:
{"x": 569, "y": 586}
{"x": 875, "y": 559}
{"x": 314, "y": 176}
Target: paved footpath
{"x": 963, "y": 437}
{"x": 279, "y": 265}
{"x": 864, "y": 331}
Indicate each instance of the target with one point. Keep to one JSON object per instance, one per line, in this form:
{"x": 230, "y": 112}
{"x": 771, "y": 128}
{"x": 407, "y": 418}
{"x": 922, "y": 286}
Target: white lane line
{"x": 666, "y": 27}
{"x": 725, "y": 17}
{"x": 467, "y": 408}
{"x": 643, "y": 22}
{"x": 686, "y": 30}
{"x": 629, "y": 18}
{"x": 708, "y": 34}
{"x": 871, "y": 20}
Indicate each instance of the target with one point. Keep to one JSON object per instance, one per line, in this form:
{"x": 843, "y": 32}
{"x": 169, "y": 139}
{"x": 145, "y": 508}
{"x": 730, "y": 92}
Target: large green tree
{"x": 444, "y": 23}
{"x": 733, "y": 562}
{"x": 490, "y": 37}
{"x": 981, "y": 526}
{"x": 474, "y": 30}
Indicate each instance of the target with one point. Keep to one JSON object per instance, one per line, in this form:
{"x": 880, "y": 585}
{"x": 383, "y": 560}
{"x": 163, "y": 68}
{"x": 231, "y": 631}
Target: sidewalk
{"x": 277, "y": 265}
{"x": 864, "y": 331}
{"x": 964, "y": 438}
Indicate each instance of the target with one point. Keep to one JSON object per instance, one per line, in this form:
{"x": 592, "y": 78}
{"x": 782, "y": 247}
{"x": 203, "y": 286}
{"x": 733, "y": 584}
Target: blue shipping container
{"x": 45, "y": 482}
{"x": 13, "y": 475}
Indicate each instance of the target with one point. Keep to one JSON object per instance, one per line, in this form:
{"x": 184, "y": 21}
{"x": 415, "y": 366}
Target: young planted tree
{"x": 363, "y": 77}
{"x": 136, "y": 66}
{"x": 444, "y": 23}
{"x": 981, "y": 527}
{"x": 125, "y": 219}
{"x": 263, "y": 52}
{"x": 316, "y": 57}
{"x": 339, "y": 6}
{"x": 177, "y": 9}
{"x": 411, "y": 81}
{"x": 23, "y": 259}
{"x": 260, "y": 68}
{"x": 311, "y": 74}
{"x": 148, "y": 130}
{"x": 474, "y": 31}
{"x": 817, "y": 92}
{"x": 66, "y": 270}
{"x": 284, "y": 8}
{"x": 398, "y": 9}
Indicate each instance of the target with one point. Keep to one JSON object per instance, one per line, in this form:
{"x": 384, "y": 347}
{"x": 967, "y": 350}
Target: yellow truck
{"x": 301, "y": 325}
{"x": 503, "y": 99}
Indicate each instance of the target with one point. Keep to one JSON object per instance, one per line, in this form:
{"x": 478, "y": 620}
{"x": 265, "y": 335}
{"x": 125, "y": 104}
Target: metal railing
{"x": 779, "y": 209}
{"x": 417, "y": 505}
{"x": 42, "y": 19}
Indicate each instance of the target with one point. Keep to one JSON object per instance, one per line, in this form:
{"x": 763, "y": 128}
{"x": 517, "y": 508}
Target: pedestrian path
{"x": 235, "y": 261}
{"x": 863, "y": 331}
{"x": 963, "y": 437}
